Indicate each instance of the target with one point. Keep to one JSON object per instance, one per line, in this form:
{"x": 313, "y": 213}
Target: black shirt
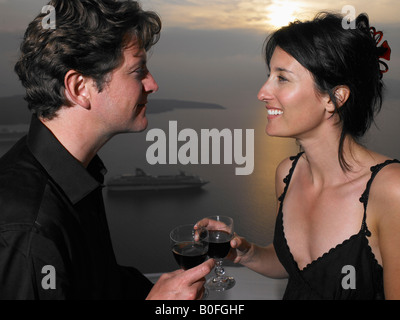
{"x": 54, "y": 237}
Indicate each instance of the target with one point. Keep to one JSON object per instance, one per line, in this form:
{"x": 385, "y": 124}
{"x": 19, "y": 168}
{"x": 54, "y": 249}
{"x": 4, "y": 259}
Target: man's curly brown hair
{"x": 89, "y": 37}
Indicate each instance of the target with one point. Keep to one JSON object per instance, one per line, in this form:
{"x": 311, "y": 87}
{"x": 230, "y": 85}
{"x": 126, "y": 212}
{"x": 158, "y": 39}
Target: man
{"x": 86, "y": 81}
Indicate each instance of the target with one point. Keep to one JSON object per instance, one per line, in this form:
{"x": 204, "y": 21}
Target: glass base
{"x": 221, "y": 283}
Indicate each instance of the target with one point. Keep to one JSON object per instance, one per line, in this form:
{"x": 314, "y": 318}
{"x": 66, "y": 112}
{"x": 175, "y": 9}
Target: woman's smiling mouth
{"x": 272, "y": 113}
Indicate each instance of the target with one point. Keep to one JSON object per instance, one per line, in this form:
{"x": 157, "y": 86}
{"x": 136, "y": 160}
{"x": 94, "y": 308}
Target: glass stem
{"x": 219, "y": 270}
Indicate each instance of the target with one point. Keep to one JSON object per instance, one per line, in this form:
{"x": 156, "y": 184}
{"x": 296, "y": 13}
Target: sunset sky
{"x": 221, "y": 39}
{"x": 260, "y": 14}
{"x": 220, "y": 14}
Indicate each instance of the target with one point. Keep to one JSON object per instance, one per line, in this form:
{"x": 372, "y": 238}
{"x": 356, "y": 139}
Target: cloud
{"x": 205, "y": 14}
{"x": 260, "y": 14}
{"x": 218, "y": 14}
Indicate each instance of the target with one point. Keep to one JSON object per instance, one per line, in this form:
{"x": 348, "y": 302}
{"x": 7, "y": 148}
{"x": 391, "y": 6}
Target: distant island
{"x": 14, "y": 110}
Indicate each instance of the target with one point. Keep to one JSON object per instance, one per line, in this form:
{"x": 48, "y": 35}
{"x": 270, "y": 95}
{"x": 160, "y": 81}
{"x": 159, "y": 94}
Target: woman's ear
{"x": 341, "y": 94}
{"x": 76, "y": 89}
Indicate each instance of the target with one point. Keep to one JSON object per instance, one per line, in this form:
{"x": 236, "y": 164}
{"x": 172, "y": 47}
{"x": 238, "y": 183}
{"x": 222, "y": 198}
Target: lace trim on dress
{"x": 287, "y": 179}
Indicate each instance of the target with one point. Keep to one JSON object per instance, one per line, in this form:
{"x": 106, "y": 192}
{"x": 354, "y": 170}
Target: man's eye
{"x": 140, "y": 72}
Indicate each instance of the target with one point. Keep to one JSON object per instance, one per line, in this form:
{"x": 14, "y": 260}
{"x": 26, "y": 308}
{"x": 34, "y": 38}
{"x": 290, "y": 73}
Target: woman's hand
{"x": 240, "y": 250}
{"x": 240, "y": 247}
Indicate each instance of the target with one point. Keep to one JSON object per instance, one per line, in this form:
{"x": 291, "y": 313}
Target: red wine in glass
{"x": 189, "y": 254}
{"x": 189, "y": 247}
{"x": 219, "y": 244}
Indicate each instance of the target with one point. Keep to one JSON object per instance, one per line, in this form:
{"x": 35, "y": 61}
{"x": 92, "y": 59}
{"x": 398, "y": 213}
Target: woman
{"x": 338, "y": 220}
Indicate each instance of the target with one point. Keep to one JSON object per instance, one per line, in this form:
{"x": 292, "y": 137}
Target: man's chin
{"x": 140, "y": 127}
{"x": 136, "y": 128}
{"x": 140, "y": 123}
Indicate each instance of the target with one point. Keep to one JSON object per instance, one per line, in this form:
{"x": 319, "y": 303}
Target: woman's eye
{"x": 282, "y": 79}
{"x": 279, "y": 78}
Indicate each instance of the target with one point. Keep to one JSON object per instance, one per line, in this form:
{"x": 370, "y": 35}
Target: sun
{"x": 281, "y": 12}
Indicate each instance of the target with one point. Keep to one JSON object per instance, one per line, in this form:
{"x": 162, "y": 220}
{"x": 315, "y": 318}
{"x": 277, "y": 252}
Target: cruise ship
{"x": 142, "y": 181}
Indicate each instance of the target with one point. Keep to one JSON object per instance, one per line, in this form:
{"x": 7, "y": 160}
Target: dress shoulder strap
{"x": 287, "y": 179}
{"x": 364, "y": 197}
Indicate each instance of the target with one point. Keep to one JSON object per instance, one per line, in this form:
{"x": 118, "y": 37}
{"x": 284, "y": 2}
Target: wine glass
{"x": 220, "y": 233}
{"x": 189, "y": 246}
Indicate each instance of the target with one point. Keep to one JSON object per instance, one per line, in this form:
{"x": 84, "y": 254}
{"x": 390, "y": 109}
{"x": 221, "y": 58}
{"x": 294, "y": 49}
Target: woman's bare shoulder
{"x": 385, "y": 190}
{"x": 387, "y": 182}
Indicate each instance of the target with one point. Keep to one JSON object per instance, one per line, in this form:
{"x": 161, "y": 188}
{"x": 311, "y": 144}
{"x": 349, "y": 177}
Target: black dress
{"x": 330, "y": 276}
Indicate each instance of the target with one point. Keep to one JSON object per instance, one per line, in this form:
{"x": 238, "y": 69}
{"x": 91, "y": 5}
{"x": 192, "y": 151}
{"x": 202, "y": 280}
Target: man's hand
{"x": 182, "y": 285}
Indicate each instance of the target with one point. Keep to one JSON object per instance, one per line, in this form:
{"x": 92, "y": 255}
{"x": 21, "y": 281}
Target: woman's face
{"x": 295, "y": 108}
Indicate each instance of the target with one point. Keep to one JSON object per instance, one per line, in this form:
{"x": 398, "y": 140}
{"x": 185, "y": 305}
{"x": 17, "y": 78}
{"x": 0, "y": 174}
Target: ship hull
{"x": 143, "y": 182}
{"x": 153, "y": 187}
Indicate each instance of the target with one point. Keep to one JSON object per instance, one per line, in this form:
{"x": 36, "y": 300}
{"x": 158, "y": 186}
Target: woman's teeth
{"x": 274, "y": 112}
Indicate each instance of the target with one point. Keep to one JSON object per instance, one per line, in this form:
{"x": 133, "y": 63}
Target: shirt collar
{"x": 74, "y": 179}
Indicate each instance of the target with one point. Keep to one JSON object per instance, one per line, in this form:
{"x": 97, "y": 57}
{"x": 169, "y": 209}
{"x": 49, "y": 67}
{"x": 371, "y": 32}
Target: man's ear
{"x": 76, "y": 89}
{"x": 341, "y": 94}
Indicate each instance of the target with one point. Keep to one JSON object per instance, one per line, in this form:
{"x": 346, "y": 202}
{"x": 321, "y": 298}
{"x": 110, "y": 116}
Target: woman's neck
{"x": 322, "y": 156}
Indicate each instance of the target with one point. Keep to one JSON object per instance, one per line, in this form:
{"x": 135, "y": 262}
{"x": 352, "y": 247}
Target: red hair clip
{"x": 384, "y": 51}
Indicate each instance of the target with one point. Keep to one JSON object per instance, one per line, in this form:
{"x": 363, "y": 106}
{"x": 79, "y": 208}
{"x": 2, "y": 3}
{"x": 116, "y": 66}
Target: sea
{"x": 140, "y": 222}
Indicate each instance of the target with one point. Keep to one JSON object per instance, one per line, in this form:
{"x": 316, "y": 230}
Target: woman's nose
{"x": 264, "y": 94}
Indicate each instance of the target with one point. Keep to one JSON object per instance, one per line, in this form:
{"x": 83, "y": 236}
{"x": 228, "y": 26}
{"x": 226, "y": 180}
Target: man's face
{"x": 121, "y": 106}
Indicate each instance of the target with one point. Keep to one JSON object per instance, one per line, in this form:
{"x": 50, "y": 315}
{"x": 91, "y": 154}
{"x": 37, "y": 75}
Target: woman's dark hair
{"x": 89, "y": 37}
{"x": 336, "y": 56}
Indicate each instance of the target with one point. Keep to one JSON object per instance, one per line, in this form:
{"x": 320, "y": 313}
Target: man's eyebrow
{"x": 142, "y": 62}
